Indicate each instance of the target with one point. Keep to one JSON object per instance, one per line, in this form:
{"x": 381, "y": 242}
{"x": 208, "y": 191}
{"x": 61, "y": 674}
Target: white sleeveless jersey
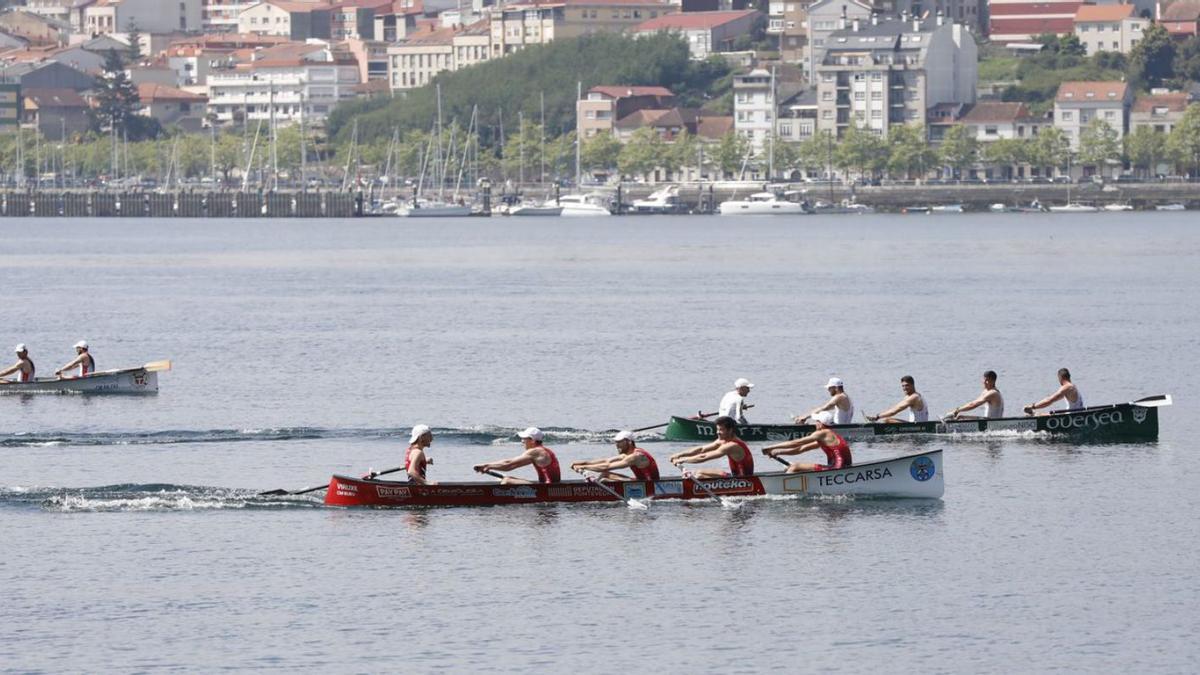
{"x": 921, "y": 415}
{"x": 844, "y": 416}
{"x": 1078, "y": 404}
{"x": 992, "y": 411}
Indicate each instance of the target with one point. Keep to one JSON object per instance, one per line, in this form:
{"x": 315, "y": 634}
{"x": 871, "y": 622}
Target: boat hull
{"x": 917, "y": 476}
{"x": 128, "y": 381}
{"x": 436, "y": 211}
{"x": 1124, "y": 421}
{"x": 740, "y": 208}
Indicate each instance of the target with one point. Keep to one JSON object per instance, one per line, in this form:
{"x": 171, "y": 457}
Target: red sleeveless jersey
{"x": 745, "y": 467}
{"x": 549, "y": 473}
{"x": 648, "y": 473}
{"x": 838, "y": 455}
{"x": 87, "y": 366}
{"x": 23, "y": 376}
{"x": 419, "y": 469}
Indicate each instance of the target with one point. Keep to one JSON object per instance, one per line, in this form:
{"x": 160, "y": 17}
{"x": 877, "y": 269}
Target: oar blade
{"x": 155, "y": 366}
{"x": 272, "y": 493}
{"x": 1154, "y": 401}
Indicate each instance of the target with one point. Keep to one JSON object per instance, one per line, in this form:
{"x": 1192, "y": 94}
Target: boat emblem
{"x": 140, "y": 379}
{"x": 1139, "y": 415}
{"x": 922, "y": 469}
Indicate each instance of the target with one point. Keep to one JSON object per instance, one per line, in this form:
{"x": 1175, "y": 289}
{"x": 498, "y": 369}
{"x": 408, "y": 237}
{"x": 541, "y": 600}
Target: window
{"x": 827, "y": 96}
{"x": 877, "y": 96}
{"x": 860, "y": 96}
{"x": 876, "y": 114}
{"x": 1109, "y": 114}
{"x": 591, "y": 114}
{"x": 785, "y": 128}
{"x": 826, "y": 114}
{"x": 990, "y": 130}
{"x": 1067, "y": 116}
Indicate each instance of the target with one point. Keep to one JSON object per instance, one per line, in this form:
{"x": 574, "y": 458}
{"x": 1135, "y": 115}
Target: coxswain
{"x": 990, "y": 399}
{"x": 727, "y": 445}
{"x": 23, "y": 368}
{"x": 1067, "y": 391}
{"x": 542, "y": 458}
{"x": 839, "y": 404}
{"x": 83, "y": 360}
{"x": 733, "y": 403}
{"x": 913, "y": 402}
{"x": 837, "y": 450}
{"x": 630, "y": 457}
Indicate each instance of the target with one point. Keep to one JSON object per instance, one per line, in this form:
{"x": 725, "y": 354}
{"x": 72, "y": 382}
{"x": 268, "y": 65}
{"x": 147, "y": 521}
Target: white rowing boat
{"x": 139, "y": 380}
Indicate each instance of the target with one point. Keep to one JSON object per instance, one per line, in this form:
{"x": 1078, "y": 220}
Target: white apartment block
{"x": 1109, "y": 28}
{"x": 289, "y": 81}
{"x": 415, "y": 61}
{"x": 221, "y": 16}
{"x": 754, "y": 107}
{"x": 1078, "y": 103}
{"x": 149, "y": 16}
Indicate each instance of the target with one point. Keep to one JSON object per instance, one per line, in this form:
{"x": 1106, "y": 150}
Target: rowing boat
{"x": 910, "y": 476}
{"x": 139, "y": 380}
{"x": 1137, "y": 420}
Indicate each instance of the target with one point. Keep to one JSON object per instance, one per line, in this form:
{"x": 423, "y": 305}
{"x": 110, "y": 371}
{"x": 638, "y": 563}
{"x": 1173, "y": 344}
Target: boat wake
{"x": 146, "y": 497}
{"x": 476, "y": 435}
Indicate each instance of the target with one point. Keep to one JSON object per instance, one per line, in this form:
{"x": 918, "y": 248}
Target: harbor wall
{"x": 76, "y": 204}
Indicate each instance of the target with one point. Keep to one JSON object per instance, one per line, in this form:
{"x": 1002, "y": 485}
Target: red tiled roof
{"x": 1182, "y": 10}
{"x": 1075, "y": 92}
{"x": 1088, "y": 13}
{"x": 714, "y": 127}
{"x": 1032, "y": 26}
{"x": 1025, "y": 9}
{"x": 693, "y": 20}
{"x": 622, "y": 91}
{"x": 55, "y": 98}
{"x": 986, "y": 112}
{"x": 149, "y": 92}
{"x": 1176, "y": 101}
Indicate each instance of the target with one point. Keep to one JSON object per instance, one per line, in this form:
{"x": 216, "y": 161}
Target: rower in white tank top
{"x": 846, "y": 416}
{"x": 990, "y": 399}
{"x": 911, "y": 402}
{"x": 921, "y": 415}
{"x": 1066, "y": 390}
{"x": 839, "y": 404}
{"x": 994, "y": 407}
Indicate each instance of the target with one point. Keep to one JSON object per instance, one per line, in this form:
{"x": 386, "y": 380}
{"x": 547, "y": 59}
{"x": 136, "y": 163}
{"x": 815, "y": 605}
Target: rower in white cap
{"x": 733, "y": 404}
{"x": 24, "y": 367}
{"x": 839, "y": 404}
{"x": 544, "y": 462}
{"x": 83, "y": 360}
{"x": 631, "y": 457}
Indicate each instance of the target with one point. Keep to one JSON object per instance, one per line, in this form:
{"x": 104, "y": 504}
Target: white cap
{"x": 532, "y": 432}
{"x": 19, "y": 348}
{"x": 824, "y": 417}
{"x": 82, "y": 344}
{"x": 623, "y": 436}
{"x": 742, "y": 382}
{"x": 834, "y": 382}
{"x": 417, "y": 432}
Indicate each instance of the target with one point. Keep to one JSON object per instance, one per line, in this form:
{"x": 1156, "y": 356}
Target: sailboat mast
{"x": 578, "y": 140}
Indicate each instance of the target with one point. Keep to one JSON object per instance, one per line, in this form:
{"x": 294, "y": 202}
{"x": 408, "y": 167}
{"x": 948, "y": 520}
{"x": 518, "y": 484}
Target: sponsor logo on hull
{"x": 922, "y": 469}
{"x": 852, "y": 476}
{"x": 728, "y": 485}
{"x": 668, "y": 487}
{"x": 1139, "y": 415}
{"x": 578, "y": 491}
{"x": 393, "y": 492}
{"x": 1089, "y": 421}
{"x": 515, "y": 492}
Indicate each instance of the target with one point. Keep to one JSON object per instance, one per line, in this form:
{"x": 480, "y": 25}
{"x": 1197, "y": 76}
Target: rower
{"x": 839, "y": 404}
{"x": 1067, "y": 391}
{"x": 837, "y": 450}
{"x": 415, "y": 460}
{"x": 727, "y": 445}
{"x": 733, "y": 403}
{"x": 990, "y": 399}
{"x": 83, "y": 360}
{"x": 631, "y": 457}
{"x": 913, "y": 402}
{"x": 542, "y": 458}
{"x": 24, "y": 367}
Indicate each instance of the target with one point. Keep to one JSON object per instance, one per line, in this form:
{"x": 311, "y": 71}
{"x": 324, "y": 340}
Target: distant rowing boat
{"x": 139, "y": 380}
{"x": 910, "y": 476}
{"x": 1137, "y": 420}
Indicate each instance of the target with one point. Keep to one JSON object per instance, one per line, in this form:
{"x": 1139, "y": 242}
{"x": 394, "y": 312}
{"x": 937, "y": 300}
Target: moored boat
{"x": 1137, "y": 420}
{"x": 760, "y": 204}
{"x": 140, "y": 380}
{"x": 910, "y": 476}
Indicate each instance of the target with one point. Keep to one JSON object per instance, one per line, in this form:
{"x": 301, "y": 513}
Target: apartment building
{"x": 1078, "y": 103}
{"x": 705, "y": 32}
{"x": 524, "y": 23}
{"x": 1159, "y": 110}
{"x": 221, "y": 16}
{"x": 415, "y": 61}
{"x": 601, "y": 107}
{"x": 825, "y": 17}
{"x": 149, "y": 16}
{"x": 1109, "y": 28}
{"x": 889, "y": 72}
{"x": 788, "y": 20}
{"x": 291, "y": 81}
{"x": 288, "y": 18}
{"x": 990, "y": 121}
{"x": 1022, "y": 20}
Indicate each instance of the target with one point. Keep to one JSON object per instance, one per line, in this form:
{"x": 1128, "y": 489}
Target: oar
{"x": 155, "y": 366}
{"x": 781, "y": 460}
{"x": 1153, "y": 401}
{"x": 701, "y": 416}
{"x": 275, "y": 493}
{"x": 495, "y": 474}
{"x": 720, "y": 500}
{"x": 594, "y": 480}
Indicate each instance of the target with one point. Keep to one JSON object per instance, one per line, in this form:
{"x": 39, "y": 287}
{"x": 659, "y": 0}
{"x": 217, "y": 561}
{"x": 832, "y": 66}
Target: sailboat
{"x": 439, "y": 207}
{"x": 1070, "y": 206}
{"x": 578, "y": 203}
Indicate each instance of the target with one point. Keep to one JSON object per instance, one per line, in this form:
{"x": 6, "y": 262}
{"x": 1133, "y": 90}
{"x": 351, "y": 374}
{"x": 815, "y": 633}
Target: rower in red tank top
{"x": 544, "y": 462}
{"x": 24, "y": 368}
{"x": 631, "y": 457}
{"x": 837, "y": 450}
{"x": 727, "y": 445}
{"x": 83, "y": 361}
{"x": 415, "y": 459}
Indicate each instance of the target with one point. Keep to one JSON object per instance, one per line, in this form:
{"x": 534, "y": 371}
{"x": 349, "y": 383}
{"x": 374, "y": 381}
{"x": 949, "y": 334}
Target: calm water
{"x": 132, "y": 539}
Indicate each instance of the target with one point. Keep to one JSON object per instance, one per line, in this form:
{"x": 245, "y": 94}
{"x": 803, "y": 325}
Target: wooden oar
{"x": 496, "y": 474}
{"x": 701, "y": 416}
{"x": 275, "y": 493}
{"x": 155, "y": 366}
{"x": 779, "y": 459}
{"x": 720, "y": 500}
{"x": 1153, "y": 401}
{"x": 594, "y": 480}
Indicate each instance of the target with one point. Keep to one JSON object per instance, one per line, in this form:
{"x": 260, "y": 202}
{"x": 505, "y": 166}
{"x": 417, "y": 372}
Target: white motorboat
{"x": 1118, "y": 207}
{"x": 139, "y": 380}
{"x": 665, "y": 200}
{"x": 579, "y": 205}
{"x": 1170, "y": 207}
{"x": 847, "y": 206}
{"x": 760, "y": 204}
{"x": 1073, "y": 207}
{"x": 946, "y": 208}
{"x": 547, "y": 209}
{"x": 433, "y": 209}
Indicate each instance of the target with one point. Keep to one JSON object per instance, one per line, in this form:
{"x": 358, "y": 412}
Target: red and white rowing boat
{"x": 910, "y": 476}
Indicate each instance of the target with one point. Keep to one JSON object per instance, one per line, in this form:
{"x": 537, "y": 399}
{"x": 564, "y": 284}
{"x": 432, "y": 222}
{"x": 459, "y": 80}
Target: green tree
{"x": 959, "y": 149}
{"x": 816, "y": 153}
{"x": 731, "y": 152}
{"x": 1099, "y": 144}
{"x": 683, "y": 152}
{"x": 600, "y": 152}
{"x": 1152, "y": 59}
{"x": 861, "y": 150}
{"x": 1183, "y": 142}
{"x": 1145, "y": 147}
{"x": 787, "y": 157}
{"x": 1051, "y": 149}
{"x": 642, "y": 154}
{"x": 524, "y": 149}
{"x": 117, "y": 103}
{"x": 133, "y": 53}
{"x": 1005, "y": 153}
{"x": 909, "y": 154}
